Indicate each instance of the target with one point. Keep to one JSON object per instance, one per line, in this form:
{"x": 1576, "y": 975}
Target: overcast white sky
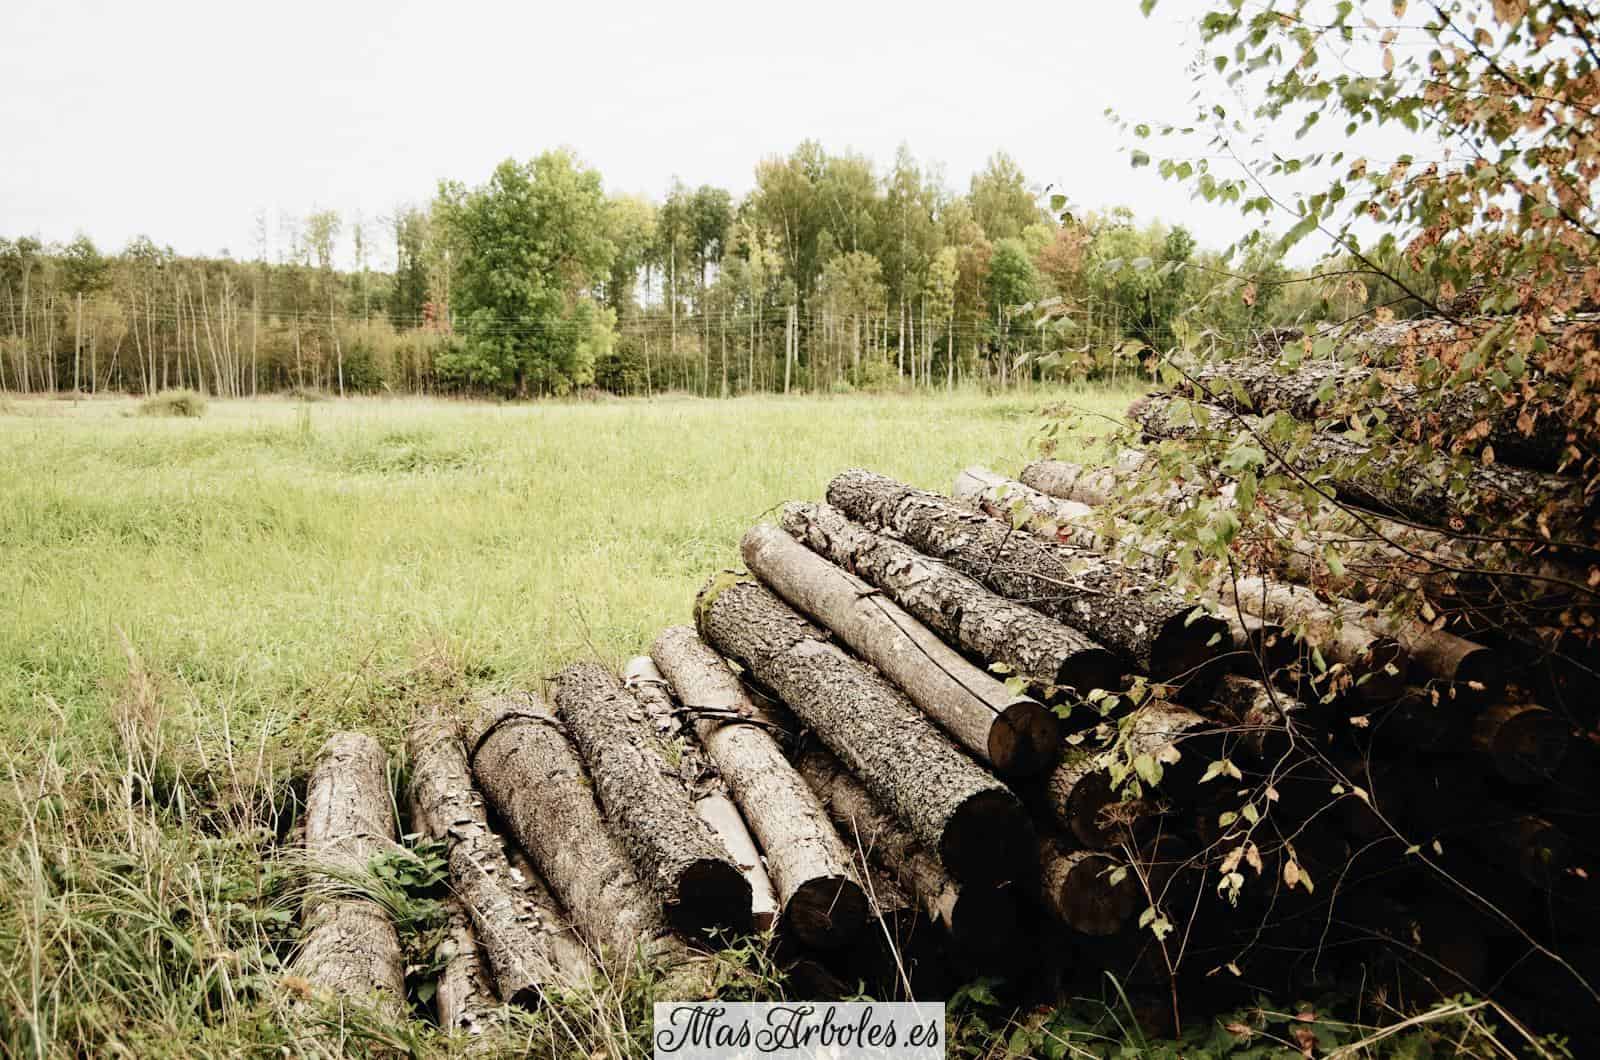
{"x": 182, "y": 120}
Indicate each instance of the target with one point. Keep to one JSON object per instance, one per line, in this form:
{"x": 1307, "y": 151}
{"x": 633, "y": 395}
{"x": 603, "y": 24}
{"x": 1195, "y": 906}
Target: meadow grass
{"x": 195, "y": 603}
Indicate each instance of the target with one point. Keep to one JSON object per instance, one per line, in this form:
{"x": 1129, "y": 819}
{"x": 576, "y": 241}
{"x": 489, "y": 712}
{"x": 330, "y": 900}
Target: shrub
{"x": 186, "y": 403}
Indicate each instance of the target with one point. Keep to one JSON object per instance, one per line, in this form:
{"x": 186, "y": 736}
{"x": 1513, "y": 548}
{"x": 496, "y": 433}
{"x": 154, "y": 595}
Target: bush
{"x": 186, "y": 403}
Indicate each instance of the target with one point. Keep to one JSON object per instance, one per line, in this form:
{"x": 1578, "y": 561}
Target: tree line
{"x": 830, "y": 274}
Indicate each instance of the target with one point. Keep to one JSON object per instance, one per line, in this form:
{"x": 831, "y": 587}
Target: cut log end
{"x": 716, "y": 897}
{"x": 1092, "y": 668}
{"x": 1384, "y": 672}
{"x": 1024, "y": 739}
{"x": 1079, "y": 892}
{"x": 1183, "y": 648}
{"x": 984, "y": 921}
{"x": 1479, "y": 675}
{"x": 989, "y": 839}
{"x": 826, "y": 912}
{"x": 1525, "y": 742}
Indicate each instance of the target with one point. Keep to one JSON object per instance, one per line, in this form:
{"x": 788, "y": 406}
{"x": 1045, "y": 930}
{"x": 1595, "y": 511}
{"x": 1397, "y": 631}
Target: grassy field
{"x": 193, "y": 604}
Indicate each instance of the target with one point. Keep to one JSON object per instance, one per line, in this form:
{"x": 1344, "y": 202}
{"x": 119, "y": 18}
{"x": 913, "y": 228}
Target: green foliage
{"x": 532, "y": 241}
{"x": 186, "y": 404}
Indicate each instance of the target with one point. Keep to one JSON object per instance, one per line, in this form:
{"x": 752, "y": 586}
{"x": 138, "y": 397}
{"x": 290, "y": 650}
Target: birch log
{"x": 954, "y": 807}
{"x": 351, "y": 948}
{"x": 1016, "y": 734}
{"x": 987, "y": 626}
{"x": 676, "y": 853}
{"x": 821, "y": 900}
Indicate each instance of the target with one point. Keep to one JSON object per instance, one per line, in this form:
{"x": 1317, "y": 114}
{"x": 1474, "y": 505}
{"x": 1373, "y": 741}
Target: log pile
{"x": 921, "y": 738}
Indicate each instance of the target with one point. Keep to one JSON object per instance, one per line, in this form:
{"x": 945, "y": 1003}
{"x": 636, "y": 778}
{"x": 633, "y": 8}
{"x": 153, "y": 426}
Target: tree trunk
{"x": 822, "y": 901}
{"x": 1466, "y": 671}
{"x": 1075, "y": 887}
{"x": 1320, "y": 391}
{"x": 988, "y": 627}
{"x": 527, "y": 941}
{"x": 465, "y": 995}
{"x": 1015, "y": 734}
{"x": 980, "y": 919}
{"x": 1525, "y": 743}
{"x": 675, "y": 852}
{"x": 898, "y": 956}
{"x": 1086, "y": 484}
{"x": 953, "y": 807}
{"x": 351, "y": 948}
{"x": 712, "y": 803}
{"x": 535, "y": 781}
{"x": 1497, "y": 496}
{"x": 1259, "y": 715}
{"x": 1374, "y": 664}
{"x": 1154, "y": 628}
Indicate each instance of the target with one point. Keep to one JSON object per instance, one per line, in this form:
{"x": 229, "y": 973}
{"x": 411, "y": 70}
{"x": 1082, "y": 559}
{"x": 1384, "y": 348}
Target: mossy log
{"x": 986, "y": 626}
{"x": 351, "y": 947}
{"x": 1375, "y": 662}
{"x": 675, "y": 852}
{"x": 979, "y": 919}
{"x": 957, "y": 809}
{"x": 1155, "y": 629}
{"x": 524, "y": 934}
{"x": 821, "y": 900}
{"x": 1014, "y": 733}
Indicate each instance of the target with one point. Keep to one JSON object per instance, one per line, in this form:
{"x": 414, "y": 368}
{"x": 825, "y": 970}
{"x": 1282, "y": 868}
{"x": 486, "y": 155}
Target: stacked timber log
{"x": 1016, "y": 732}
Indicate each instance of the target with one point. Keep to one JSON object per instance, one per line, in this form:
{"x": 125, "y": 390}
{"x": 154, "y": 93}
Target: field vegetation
{"x": 196, "y": 603}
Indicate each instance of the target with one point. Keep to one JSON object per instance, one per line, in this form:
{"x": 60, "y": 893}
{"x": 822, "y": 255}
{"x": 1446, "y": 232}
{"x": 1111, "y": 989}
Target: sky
{"x": 184, "y": 120}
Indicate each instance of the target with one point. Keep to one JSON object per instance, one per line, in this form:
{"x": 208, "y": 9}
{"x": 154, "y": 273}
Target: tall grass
{"x": 193, "y": 604}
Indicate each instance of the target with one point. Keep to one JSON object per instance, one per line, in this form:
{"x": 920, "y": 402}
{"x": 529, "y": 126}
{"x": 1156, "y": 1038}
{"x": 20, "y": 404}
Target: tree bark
{"x": 712, "y": 803}
{"x": 1259, "y": 714}
{"x": 1467, "y": 671}
{"x": 532, "y": 776}
{"x": 1376, "y": 663}
{"x": 465, "y": 994}
{"x": 1388, "y": 480}
{"x": 898, "y": 956}
{"x": 1321, "y": 391}
{"x": 351, "y": 947}
{"x": 1153, "y": 627}
{"x": 972, "y": 821}
{"x": 1525, "y": 743}
{"x": 979, "y": 919}
{"x": 1075, "y": 888}
{"x": 676, "y": 853}
{"x": 525, "y": 936}
{"x": 1015, "y": 734}
{"x": 821, "y": 899}
{"x": 988, "y": 627}
{"x": 1086, "y": 484}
